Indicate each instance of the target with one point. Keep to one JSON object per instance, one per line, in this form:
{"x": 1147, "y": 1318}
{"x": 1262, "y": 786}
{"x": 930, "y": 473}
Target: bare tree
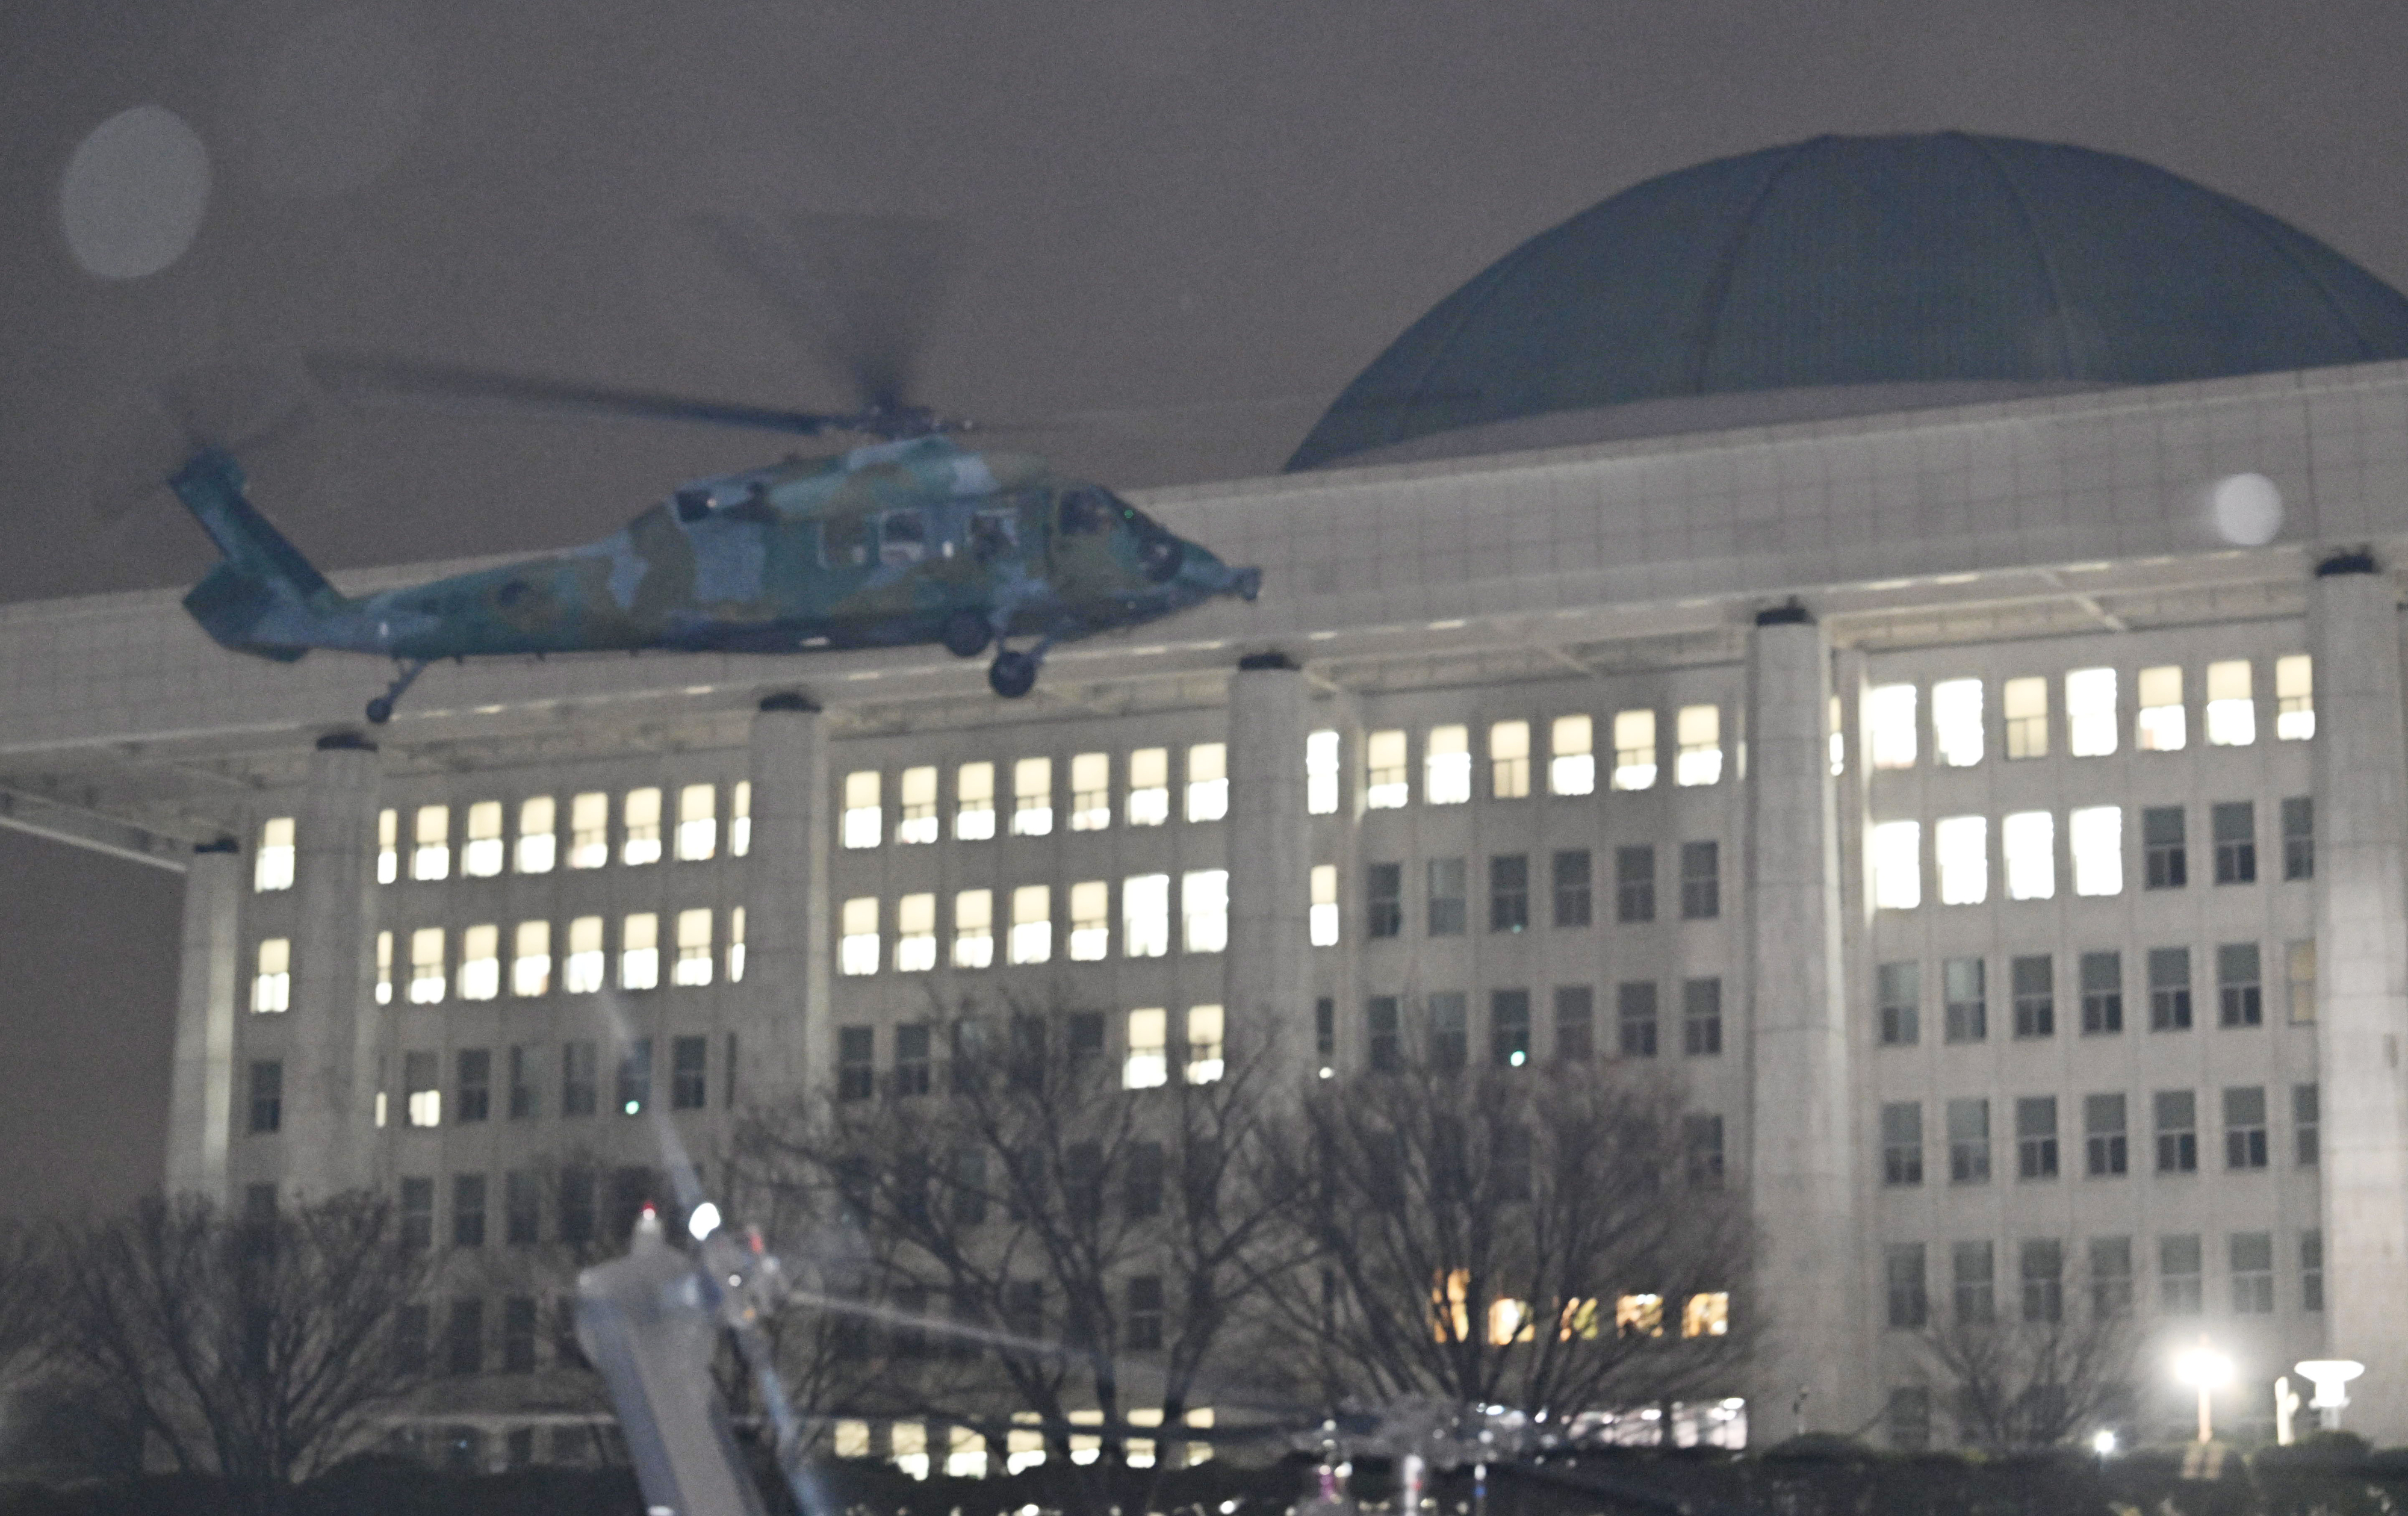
{"x": 1554, "y": 1238}
{"x": 25, "y": 1303}
{"x": 255, "y": 1349}
{"x": 2036, "y": 1382}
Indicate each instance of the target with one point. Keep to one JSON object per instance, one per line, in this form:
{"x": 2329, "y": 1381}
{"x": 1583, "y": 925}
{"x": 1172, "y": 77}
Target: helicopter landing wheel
{"x": 967, "y": 633}
{"x": 1012, "y": 674}
{"x": 380, "y": 710}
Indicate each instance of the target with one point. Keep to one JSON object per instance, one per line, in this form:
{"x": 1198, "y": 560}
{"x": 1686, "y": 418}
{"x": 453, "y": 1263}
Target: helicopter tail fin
{"x": 262, "y": 597}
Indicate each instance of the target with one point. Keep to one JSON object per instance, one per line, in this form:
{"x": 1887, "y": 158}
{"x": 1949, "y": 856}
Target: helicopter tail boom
{"x": 266, "y": 596}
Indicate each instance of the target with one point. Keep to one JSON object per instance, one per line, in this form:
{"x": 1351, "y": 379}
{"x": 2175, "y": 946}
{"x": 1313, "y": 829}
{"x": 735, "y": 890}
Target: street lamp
{"x": 2206, "y": 1371}
{"x": 2332, "y": 1376}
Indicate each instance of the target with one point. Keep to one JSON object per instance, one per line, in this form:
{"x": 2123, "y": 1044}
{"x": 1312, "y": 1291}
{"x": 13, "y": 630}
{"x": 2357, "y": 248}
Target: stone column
{"x": 1802, "y": 1170}
{"x": 200, "y": 1101}
{"x": 787, "y": 1036}
{"x": 2361, "y": 891}
{"x": 330, "y": 1071}
{"x": 1267, "y": 983}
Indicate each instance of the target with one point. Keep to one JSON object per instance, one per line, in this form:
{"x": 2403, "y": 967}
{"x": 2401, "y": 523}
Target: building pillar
{"x": 2361, "y": 891}
{"x": 200, "y": 1100}
{"x": 788, "y": 1038}
{"x": 1806, "y": 1290}
{"x": 330, "y": 1071}
{"x": 1268, "y": 969}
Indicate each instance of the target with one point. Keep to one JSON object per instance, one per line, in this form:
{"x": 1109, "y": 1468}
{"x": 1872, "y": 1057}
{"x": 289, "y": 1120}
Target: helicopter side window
{"x": 692, "y": 505}
{"x": 994, "y": 534}
{"x": 1085, "y": 510}
{"x": 903, "y": 537}
{"x": 844, "y": 541}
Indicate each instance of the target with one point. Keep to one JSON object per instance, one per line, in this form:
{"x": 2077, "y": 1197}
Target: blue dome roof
{"x": 1946, "y": 266}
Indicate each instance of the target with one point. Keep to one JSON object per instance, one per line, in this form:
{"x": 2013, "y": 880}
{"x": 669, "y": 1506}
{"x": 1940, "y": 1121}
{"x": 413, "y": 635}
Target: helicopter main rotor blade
{"x": 241, "y": 408}
{"x": 859, "y": 291}
{"x": 362, "y": 375}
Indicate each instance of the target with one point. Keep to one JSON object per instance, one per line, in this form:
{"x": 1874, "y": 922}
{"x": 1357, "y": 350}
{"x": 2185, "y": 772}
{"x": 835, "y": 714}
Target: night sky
{"x": 1202, "y": 218}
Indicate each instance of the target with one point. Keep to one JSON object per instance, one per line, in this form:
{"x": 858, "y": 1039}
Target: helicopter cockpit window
{"x": 994, "y": 534}
{"x": 1156, "y": 549}
{"x": 692, "y": 505}
{"x": 903, "y": 537}
{"x": 1085, "y": 510}
{"x": 844, "y": 541}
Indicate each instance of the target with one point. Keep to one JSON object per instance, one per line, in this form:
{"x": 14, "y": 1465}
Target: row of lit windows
{"x": 1961, "y": 849}
{"x": 2033, "y": 994}
{"x": 583, "y": 969}
{"x": 1571, "y": 759}
{"x": 2105, "y": 1150}
{"x": 1205, "y": 797}
{"x": 1028, "y": 938}
{"x": 1973, "y": 1282}
{"x": 1960, "y": 731}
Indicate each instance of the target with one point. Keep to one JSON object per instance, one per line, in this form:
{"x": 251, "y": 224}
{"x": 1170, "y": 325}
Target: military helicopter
{"x": 909, "y": 538}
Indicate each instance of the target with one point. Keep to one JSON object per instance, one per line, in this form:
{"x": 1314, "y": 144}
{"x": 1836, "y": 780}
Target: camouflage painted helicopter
{"x": 910, "y": 539}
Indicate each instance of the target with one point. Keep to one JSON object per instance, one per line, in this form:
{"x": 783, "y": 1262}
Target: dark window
{"x": 1634, "y": 1013}
{"x": 1086, "y": 1035}
{"x": 576, "y": 1078}
{"x": 2252, "y": 1256}
{"x": 2164, "y": 864}
{"x": 1634, "y": 884}
{"x": 1509, "y": 892}
{"x": 1141, "y": 1179}
{"x": 1509, "y": 1028}
{"x": 1024, "y": 1308}
{"x": 969, "y": 1186}
{"x": 727, "y": 1085}
{"x": 856, "y": 1074}
{"x": 1701, "y": 1018}
{"x": 1965, "y": 983}
{"x": 521, "y": 1209}
{"x": 2104, "y": 1137}
{"x": 1145, "y": 1314}
{"x": 1325, "y": 1030}
{"x": 2036, "y": 1136}
{"x": 1902, "y": 1271}
{"x": 410, "y": 1334}
{"x": 577, "y": 1216}
{"x": 1383, "y": 906}
{"x": 1702, "y": 1140}
{"x": 1968, "y": 1141}
{"x": 1701, "y": 887}
{"x": 1572, "y": 887}
{"x": 2239, "y": 1000}
{"x": 268, "y": 1095}
{"x": 2168, "y": 989}
{"x": 1908, "y": 1420}
{"x": 2177, "y": 1114}
{"x": 1446, "y": 901}
{"x": 467, "y": 1210}
{"x": 1027, "y": 1062}
{"x": 464, "y": 1339}
{"x": 2305, "y": 1119}
{"x": 2033, "y": 978}
{"x": 688, "y": 1084}
{"x": 1510, "y": 1163}
{"x": 2042, "y": 1262}
{"x": 2178, "y": 1281}
{"x": 2299, "y": 838}
{"x": 474, "y": 1067}
{"x": 1083, "y": 1182}
{"x": 2312, "y": 1270}
{"x": 1975, "y": 1277}
{"x": 636, "y": 1076}
{"x": 1383, "y": 1040}
{"x": 912, "y": 1042}
{"x": 1900, "y": 993}
{"x": 417, "y": 1214}
{"x": 1901, "y": 1129}
{"x": 1450, "y": 1034}
{"x": 2111, "y": 1276}
{"x": 2103, "y": 994}
{"x": 2235, "y": 825}
{"x": 631, "y": 1190}
{"x": 521, "y": 1082}
{"x": 1575, "y": 1022}
{"x": 2245, "y": 1126}
{"x": 518, "y": 1334}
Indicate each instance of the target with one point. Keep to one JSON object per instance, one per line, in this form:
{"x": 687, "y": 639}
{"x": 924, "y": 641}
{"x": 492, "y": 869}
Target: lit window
{"x": 642, "y": 818}
{"x": 2090, "y": 726}
{"x": 2161, "y": 728}
{"x": 480, "y": 961}
{"x": 974, "y": 803}
{"x": 1638, "y": 1316}
{"x": 273, "y": 869}
{"x": 1706, "y": 1315}
{"x": 1149, "y": 778}
{"x": 1509, "y": 762}
{"x": 384, "y": 968}
{"x": 1145, "y": 915}
{"x": 1320, "y": 759}
{"x": 1572, "y": 756}
{"x": 2231, "y": 707}
{"x": 1957, "y": 723}
{"x": 1897, "y": 866}
{"x": 530, "y": 961}
{"x": 1508, "y": 1322}
{"x": 1090, "y": 921}
{"x": 858, "y": 949}
{"x": 2030, "y": 838}
{"x": 1384, "y": 784}
{"x": 431, "y": 859}
{"x": 272, "y": 991}
{"x": 1090, "y": 791}
{"x": 388, "y": 846}
{"x": 582, "y": 973}
{"x": 1032, "y": 924}
{"x": 1838, "y": 740}
{"x": 1204, "y": 910}
{"x": 739, "y": 819}
{"x": 2095, "y": 835}
{"x": 693, "y": 948}
{"x": 2026, "y": 706}
{"x": 1961, "y": 845}
{"x": 425, "y": 1097}
{"x": 2295, "y": 698}
{"x": 1324, "y": 918}
{"x": 639, "y": 951}
{"x": 1149, "y": 1050}
{"x": 915, "y": 933}
{"x": 1634, "y": 750}
{"x": 1032, "y": 797}
{"x": 482, "y": 858}
{"x": 1204, "y": 1026}
{"x": 1889, "y": 725}
{"x": 1700, "y": 731}
{"x": 1208, "y": 781}
{"x": 1446, "y": 765}
{"x": 589, "y": 830}
{"x": 697, "y": 833}
{"x": 427, "y": 982}
{"x": 918, "y": 823}
{"x": 864, "y": 819}
{"x": 735, "y": 945}
{"x": 974, "y": 929}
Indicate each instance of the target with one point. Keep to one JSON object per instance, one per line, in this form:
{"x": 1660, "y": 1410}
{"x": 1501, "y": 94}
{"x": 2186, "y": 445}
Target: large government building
{"x": 1900, "y": 633}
